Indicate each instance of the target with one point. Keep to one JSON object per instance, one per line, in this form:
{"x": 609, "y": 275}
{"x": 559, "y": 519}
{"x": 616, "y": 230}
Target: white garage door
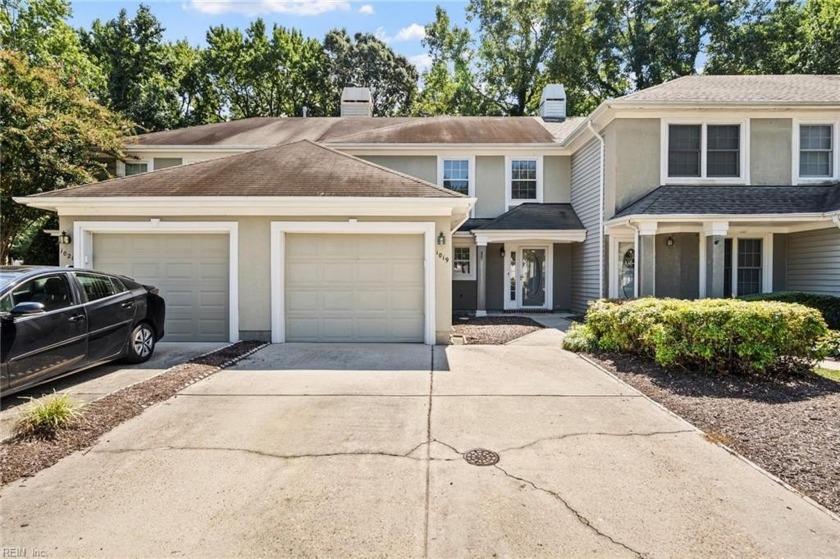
{"x": 354, "y": 288}
{"x": 191, "y": 271}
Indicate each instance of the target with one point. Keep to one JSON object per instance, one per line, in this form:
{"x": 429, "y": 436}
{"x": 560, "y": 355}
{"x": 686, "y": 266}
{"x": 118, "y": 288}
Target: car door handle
{"x": 127, "y": 304}
{"x": 77, "y": 318}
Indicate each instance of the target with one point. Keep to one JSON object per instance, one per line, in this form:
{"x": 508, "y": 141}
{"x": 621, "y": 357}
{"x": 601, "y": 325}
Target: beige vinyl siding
{"x": 814, "y": 261}
{"x": 585, "y": 201}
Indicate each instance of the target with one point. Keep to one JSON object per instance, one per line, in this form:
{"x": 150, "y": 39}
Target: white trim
{"x": 83, "y": 232}
{"x": 550, "y": 235}
{"x": 250, "y": 206}
{"x": 461, "y": 242}
{"x": 835, "y": 147}
{"x": 704, "y": 122}
{"x": 701, "y": 218}
{"x": 766, "y": 261}
{"x": 549, "y": 275}
{"x": 509, "y": 201}
{"x": 353, "y": 227}
{"x": 701, "y": 291}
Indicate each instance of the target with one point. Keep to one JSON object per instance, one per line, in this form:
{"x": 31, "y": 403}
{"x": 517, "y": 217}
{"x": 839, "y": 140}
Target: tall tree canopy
{"x": 53, "y": 136}
{"x": 365, "y": 61}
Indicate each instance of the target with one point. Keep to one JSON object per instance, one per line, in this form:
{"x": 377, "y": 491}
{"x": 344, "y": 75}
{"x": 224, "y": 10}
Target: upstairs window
{"x": 524, "y": 180}
{"x": 456, "y": 175}
{"x": 816, "y": 151}
{"x": 703, "y": 151}
{"x": 136, "y": 168}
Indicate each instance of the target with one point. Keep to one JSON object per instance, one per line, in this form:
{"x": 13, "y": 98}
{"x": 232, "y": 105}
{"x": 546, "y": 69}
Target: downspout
{"x": 600, "y": 211}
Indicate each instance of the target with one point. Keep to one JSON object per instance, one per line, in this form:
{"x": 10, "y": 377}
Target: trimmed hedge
{"x": 713, "y": 335}
{"x": 828, "y": 305}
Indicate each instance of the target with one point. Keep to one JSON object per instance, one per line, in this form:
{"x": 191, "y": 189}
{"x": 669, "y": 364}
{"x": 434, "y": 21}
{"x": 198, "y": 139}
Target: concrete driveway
{"x": 344, "y": 451}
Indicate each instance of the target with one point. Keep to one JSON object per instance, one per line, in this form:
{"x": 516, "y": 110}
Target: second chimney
{"x": 553, "y": 103}
{"x": 356, "y": 101}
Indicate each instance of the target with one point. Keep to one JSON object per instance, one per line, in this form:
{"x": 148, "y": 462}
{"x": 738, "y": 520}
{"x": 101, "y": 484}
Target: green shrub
{"x": 720, "y": 335}
{"x": 43, "y": 418}
{"x": 831, "y": 343}
{"x": 579, "y": 337}
{"x": 828, "y": 305}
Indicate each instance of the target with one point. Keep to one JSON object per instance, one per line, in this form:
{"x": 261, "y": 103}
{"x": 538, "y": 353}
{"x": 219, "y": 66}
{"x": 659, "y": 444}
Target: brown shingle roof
{"x": 298, "y": 169}
{"x": 271, "y": 131}
{"x": 766, "y": 89}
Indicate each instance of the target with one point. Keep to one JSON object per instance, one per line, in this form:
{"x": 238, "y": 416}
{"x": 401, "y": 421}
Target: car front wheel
{"x": 142, "y": 344}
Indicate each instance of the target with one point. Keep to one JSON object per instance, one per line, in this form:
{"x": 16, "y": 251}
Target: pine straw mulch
{"x": 494, "y": 330}
{"x": 26, "y": 457}
{"x": 790, "y": 425}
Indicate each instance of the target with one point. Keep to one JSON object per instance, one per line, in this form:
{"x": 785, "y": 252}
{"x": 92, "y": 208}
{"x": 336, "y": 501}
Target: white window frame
{"x": 150, "y": 166}
{"x": 470, "y": 159}
{"x": 835, "y": 145}
{"x": 743, "y": 146}
{"x": 766, "y": 260}
{"x": 549, "y": 271}
{"x": 463, "y": 243}
{"x": 509, "y": 159}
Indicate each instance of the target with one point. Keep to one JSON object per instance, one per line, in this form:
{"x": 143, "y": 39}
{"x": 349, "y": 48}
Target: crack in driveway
{"x": 580, "y": 517}
{"x": 596, "y": 434}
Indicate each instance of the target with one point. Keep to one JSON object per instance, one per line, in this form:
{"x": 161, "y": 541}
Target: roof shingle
{"x": 298, "y": 169}
{"x": 736, "y": 200}
{"x": 543, "y": 217}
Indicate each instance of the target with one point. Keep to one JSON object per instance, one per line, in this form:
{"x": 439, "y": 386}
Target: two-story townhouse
{"x": 376, "y": 229}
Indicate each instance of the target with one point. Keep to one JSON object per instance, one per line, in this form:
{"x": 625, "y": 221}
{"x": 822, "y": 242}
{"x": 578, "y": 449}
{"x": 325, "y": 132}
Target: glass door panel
{"x": 626, "y": 270}
{"x": 532, "y": 277}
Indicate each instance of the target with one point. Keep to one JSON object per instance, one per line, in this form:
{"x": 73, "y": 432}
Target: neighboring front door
{"x": 528, "y": 277}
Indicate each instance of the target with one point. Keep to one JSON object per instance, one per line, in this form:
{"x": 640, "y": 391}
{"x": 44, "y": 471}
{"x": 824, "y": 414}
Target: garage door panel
{"x": 190, "y": 270}
{"x": 370, "y": 288}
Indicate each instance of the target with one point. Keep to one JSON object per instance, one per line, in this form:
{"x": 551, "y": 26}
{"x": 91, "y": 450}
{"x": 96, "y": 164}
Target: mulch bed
{"x": 24, "y": 458}
{"x": 789, "y": 426}
{"x": 494, "y": 330}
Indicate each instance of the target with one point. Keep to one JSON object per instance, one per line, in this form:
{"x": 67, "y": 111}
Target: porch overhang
{"x": 504, "y": 236}
{"x": 556, "y": 223}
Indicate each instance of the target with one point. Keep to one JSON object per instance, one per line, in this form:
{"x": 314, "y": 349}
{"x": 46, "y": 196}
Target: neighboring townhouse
{"x": 358, "y": 228}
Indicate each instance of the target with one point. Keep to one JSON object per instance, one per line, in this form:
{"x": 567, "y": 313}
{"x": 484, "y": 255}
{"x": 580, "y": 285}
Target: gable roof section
{"x": 270, "y": 131}
{"x": 759, "y": 89}
{"x": 735, "y": 200}
{"x": 298, "y": 169}
{"x": 542, "y": 217}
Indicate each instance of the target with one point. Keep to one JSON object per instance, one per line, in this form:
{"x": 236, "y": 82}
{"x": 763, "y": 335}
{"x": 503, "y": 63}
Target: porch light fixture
{"x": 502, "y": 252}
{"x": 441, "y": 239}
{"x": 670, "y": 241}
{"x": 64, "y": 238}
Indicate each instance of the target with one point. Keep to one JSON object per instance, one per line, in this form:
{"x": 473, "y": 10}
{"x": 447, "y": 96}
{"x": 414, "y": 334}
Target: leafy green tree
{"x": 54, "y": 136}
{"x": 39, "y": 31}
{"x": 141, "y": 70}
{"x": 259, "y": 74}
{"x": 820, "y": 33}
{"x": 365, "y": 61}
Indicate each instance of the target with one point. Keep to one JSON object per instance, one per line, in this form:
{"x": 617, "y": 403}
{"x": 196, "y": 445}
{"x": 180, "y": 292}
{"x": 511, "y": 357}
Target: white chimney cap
{"x": 553, "y": 103}
{"x": 553, "y": 92}
{"x": 355, "y": 95}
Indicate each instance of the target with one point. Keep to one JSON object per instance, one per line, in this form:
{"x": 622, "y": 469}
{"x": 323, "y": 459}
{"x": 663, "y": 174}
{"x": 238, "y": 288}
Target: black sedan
{"x": 57, "y": 321}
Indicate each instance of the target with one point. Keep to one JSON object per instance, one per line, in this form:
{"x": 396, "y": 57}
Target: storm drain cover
{"x": 481, "y": 457}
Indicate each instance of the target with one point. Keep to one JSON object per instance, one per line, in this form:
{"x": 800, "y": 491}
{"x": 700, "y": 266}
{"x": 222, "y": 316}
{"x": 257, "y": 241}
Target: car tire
{"x": 141, "y": 345}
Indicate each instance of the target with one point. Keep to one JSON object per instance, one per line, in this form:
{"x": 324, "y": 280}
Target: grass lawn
{"x": 828, "y": 373}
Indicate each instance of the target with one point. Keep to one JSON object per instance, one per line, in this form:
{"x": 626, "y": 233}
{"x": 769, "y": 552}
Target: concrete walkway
{"x": 90, "y": 385}
{"x": 337, "y": 451}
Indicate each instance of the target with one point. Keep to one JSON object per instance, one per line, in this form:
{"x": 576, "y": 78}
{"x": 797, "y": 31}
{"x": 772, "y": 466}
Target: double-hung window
{"x": 463, "y": 262}
{"x": 743, "y": 271}
{"x": 713, "y": 152}
{"x": 524, "y": 180}
{"x": 816, "y": 151}
{"x": 136, "y": 168}
{"x": 456, "y": 174}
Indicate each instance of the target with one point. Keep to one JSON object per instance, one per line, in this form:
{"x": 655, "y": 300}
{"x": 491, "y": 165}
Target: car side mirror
{"x": 27, "y": 308}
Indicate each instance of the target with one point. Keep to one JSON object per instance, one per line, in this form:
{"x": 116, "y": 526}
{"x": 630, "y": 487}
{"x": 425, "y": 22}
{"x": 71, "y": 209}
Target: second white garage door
{"x": 191, "y": 271}
{"x": 354, "y": 288}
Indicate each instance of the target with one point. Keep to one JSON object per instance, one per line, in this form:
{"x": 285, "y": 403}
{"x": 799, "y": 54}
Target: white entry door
{"x": 528, "y": 276}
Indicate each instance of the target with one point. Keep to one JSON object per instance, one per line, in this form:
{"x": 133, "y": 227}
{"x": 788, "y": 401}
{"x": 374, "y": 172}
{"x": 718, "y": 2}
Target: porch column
{"x": 715, "y": 233}
{"x": 647, "y": 259}
{"x": 481, "y": 277}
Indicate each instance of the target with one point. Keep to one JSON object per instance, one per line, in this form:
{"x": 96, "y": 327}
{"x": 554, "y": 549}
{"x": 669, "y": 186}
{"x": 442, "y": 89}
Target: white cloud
{"x": 413, "y": 32}
{"x": 257, "y": 7}
{"x": 381, "y": 35}
{"x": 367, "y": 9}
{"x": 421, "y": 61}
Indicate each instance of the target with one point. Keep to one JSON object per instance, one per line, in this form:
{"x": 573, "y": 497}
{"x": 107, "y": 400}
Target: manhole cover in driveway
{"x": 481, "y": 457}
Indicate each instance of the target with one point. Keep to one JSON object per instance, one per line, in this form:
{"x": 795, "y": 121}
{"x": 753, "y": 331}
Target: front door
{"x": 528, "y": 271}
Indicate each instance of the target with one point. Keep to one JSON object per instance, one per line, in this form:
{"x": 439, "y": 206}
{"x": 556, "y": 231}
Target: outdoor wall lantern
{"x": 502, "y": 252}
{"x": 670, "y": 241}
{"x": 441, "y": 240}
{"x": 64, "y": 238}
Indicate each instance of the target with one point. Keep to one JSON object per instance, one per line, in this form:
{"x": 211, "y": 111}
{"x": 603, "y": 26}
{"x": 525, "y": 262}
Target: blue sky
{"x": 399, "y": 23}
